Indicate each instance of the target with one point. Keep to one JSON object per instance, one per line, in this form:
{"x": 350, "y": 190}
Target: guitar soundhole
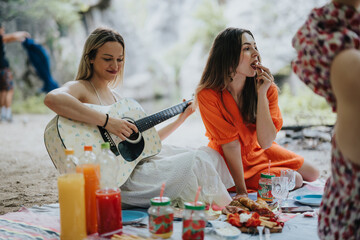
{"x": 130, "y": 151}
{"x": 134, "y": 136}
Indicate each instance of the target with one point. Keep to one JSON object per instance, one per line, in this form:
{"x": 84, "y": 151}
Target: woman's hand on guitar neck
{"x": 190, "y": 109}
{"x": 170, "y": 128}
{"x": 120, "y": 127}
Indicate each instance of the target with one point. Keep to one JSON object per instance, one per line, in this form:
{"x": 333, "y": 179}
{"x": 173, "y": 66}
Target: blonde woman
{"x": 102, "y": 66}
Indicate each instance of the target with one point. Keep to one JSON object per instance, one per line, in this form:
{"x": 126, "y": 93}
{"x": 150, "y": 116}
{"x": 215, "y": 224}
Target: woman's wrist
{"x": 241, "y": 191}
{"x": 106, "y": 120}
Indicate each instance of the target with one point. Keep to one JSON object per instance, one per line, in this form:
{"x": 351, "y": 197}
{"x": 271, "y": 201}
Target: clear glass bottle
{"x": 194, "y": 221}
{"x": 108, "y": 198}
{"x": 70, "y": 161}
{"x": 88, "y": 157}
{"x": 108, "y": 167}
{"x": 161, "y": 217}
{"x": 264, "y": 190}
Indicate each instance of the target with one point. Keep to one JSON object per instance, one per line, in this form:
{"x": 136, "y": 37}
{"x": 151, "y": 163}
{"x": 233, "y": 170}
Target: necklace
{"x": 96, "y": 93}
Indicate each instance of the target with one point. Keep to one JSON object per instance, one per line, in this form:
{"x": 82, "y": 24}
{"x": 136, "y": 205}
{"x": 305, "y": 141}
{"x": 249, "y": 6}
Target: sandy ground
{"x": 28, "y": 177}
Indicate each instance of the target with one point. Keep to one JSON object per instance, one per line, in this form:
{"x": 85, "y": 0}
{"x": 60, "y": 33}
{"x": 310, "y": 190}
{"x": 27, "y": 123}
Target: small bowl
{"x": 228, "y": 232}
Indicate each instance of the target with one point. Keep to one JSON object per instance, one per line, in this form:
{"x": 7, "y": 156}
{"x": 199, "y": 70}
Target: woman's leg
{"x": 308, "y": 172}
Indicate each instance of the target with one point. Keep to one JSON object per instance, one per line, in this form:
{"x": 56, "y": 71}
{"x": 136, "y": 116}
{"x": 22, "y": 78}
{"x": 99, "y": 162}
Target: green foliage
{"x": 11, "y": 9}
{"x": 211, "y": 15}
{"x": 64, "y": 12}
{"x": 305, "y": 108}
{"x": 139, "y": 11}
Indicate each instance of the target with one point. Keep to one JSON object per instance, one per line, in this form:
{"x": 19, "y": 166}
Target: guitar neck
{"x": 156, "y": 118}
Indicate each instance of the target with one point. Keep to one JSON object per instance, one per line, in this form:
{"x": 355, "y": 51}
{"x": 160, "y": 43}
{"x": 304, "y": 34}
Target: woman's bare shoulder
{"x": 347, "y": 61}
{"x": 76, "y": 85}
{"x": 345, "y": 69}
{"x": 77, "y": 88}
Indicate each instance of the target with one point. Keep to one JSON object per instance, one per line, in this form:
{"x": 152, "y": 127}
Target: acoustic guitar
{"x": 63, "y": 133}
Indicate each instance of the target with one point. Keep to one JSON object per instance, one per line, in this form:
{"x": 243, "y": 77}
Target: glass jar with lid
{"x": 194, "y": 221}
{"x": 161, "y": 217}
{"x": 264, "y": 190}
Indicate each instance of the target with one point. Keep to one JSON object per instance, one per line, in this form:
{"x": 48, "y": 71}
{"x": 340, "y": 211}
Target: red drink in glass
{"x": 108, "y": 202}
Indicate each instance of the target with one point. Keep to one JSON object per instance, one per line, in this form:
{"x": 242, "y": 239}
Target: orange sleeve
{"x": 275, "y": 113}
{"x": 218, "y": 128}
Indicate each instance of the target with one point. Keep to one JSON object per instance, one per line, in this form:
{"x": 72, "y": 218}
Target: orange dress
{"x": 224, "y": 125}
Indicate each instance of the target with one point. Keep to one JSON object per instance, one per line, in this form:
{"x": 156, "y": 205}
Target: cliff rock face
{"x": 167, "y": 41}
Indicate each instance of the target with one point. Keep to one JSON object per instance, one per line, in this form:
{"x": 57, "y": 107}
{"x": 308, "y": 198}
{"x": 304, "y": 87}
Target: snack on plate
{"x": 259, "y": 214}
{"x": 247, "y": 222}
{"x": 244, "y": 204}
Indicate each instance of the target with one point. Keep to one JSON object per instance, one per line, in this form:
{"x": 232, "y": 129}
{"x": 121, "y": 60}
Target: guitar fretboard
{"x": 156, "y": 118}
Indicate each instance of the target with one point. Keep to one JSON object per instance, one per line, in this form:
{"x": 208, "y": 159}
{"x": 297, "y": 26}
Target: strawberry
{"x": 161, "y": 230}
{"x": 168, "y": 218}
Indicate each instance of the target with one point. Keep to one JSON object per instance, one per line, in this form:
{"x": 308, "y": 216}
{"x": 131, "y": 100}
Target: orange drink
{"x": 72, "y": 206}
{"x": 91, "y": 175}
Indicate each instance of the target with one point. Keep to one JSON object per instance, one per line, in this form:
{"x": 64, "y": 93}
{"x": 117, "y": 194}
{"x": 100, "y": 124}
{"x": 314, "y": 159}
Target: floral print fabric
{"x": 328, "y": 31}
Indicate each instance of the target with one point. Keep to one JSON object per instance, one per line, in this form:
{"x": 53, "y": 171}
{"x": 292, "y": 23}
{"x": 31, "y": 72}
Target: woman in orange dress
{"x": 238, "y": 102}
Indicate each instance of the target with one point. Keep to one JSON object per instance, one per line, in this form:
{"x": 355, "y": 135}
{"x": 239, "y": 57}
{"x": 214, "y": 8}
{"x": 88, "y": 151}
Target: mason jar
{"x": 161, "y": 217}
{"x": 264, "y": 190}
{"x": 194, "y": 221}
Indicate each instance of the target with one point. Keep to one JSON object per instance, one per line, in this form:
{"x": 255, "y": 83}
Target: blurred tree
{"x": 10, "y": 9}
{"x": 210, "y": 14}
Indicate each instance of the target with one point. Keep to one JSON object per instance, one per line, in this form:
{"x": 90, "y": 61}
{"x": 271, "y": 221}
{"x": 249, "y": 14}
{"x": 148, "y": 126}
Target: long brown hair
{"x": 95, "y": 40}
{"x": 223, "y": 60}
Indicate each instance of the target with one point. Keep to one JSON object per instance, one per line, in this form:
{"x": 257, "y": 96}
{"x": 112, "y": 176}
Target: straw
{"x": 162, "y": 191}
{"x": 197, "y": 195}
{"x": 269, "y": 166}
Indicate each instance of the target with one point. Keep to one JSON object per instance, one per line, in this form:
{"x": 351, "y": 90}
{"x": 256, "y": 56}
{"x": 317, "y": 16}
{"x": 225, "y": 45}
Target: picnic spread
{"x": 44, "y": 222}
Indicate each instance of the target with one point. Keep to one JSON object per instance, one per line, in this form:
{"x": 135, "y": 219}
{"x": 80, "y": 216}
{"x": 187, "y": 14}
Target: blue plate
{"x": 130, "y": 216}
{"x": 311, "y": 199}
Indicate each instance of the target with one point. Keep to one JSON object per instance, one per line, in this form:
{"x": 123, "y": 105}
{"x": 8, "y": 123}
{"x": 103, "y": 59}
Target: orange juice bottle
{"x": 71, "y": 201}
{"x": 90, "y": 168}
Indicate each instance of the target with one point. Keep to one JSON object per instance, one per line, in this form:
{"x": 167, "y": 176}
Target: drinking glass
{"x": 290, "y": 174}
{"x": 279, "y": 189}
{"x": 210, "y": 190}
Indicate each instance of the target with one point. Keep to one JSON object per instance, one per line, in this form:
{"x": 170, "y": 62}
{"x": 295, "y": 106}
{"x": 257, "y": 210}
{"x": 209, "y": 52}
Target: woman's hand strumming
{"x": 120, "y": 127}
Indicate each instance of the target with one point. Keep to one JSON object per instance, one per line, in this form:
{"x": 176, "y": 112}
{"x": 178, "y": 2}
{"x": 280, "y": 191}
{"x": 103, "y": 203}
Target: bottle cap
{"x": 267, "y": 175}
{"x": 88, "y": 148}
{"x": 199, "y": 205}
{"x": 105, "y": 145}
{"x": 69, "y": 151}
{"x": 157, "y": 201}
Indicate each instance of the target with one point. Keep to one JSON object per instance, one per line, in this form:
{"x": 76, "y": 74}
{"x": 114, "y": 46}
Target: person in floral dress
{"x": 328, "y": 61}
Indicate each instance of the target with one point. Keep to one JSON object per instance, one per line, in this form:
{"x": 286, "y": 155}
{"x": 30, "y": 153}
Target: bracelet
{"x": 107, "y": 119}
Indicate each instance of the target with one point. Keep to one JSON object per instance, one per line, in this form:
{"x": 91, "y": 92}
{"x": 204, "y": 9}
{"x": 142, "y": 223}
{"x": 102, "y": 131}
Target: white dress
{"x": 182, "y": 170}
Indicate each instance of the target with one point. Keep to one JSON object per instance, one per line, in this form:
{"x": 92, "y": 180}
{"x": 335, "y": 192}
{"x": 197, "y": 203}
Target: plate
{"x": 228, "y": 233}
{"x": 131, "y": 216}
{"x": 311, "y": 199}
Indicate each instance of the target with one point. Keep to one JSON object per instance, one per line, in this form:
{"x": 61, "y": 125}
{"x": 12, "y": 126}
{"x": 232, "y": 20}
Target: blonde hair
{"x": 95, "y": 40}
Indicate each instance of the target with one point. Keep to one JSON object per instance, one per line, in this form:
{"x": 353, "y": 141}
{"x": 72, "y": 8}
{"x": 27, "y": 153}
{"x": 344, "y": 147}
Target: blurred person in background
{"x": 6, "y": 76}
